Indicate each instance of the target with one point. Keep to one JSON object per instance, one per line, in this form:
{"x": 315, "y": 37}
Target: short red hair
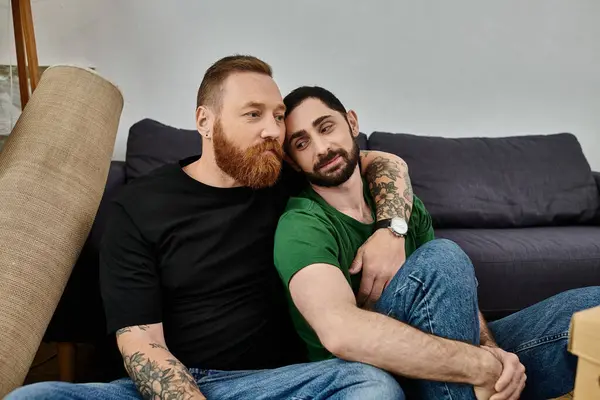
{"x": 209, "y": 93}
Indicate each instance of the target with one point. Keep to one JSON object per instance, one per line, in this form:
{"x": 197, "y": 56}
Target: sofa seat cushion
{"x": 519, "y": 267}
{"x": 519, "y": 181}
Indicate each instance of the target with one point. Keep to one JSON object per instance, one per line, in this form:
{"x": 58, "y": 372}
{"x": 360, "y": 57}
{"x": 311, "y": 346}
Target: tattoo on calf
{"x": 381, "y": 175}
{"x": 157, "y": 382}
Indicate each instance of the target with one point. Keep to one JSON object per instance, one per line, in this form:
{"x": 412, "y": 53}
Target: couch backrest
{"x": 497, "y": 182}
{"x": 152, "y": 144}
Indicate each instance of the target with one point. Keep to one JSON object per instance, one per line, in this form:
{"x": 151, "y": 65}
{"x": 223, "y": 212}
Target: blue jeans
{"x": 330, "y": 379}
{"x": 435, "y": 291}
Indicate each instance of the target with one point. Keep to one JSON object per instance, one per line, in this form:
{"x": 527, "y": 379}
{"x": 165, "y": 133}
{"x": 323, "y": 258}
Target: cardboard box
{"x": 584, "y": 342}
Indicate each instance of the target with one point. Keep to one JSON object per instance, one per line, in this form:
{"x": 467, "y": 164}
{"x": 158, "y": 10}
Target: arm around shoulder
{"x": 389, "y": 184}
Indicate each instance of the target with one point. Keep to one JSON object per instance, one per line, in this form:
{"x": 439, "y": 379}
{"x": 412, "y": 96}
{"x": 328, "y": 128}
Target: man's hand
{"x": 379, "y": 258}
{"x": 512, "y": 380}
{"x": 490, "y": 370}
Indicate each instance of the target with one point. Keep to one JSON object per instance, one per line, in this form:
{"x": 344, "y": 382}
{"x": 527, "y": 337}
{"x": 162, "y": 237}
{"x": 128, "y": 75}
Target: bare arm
{"x": 325, "y": 299}
{"x": 389, "y": 184}
{"x": 154, "y": 370}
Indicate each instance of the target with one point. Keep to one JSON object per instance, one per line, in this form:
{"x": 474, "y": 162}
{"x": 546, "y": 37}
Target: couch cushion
{"x": 361, "y": 139}
{"x": 519, "y": 267}
{"x": 152, "y": 144}
{"x": 497, "y": 182}
{"x": 597, "y": 179}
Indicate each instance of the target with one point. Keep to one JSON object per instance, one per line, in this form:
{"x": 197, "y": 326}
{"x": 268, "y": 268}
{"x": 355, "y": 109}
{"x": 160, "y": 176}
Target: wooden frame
{"x": 26, "y": 48}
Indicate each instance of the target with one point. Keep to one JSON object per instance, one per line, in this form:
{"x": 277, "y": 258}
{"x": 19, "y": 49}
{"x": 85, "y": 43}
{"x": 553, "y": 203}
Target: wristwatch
{"x": 397, "y": 225}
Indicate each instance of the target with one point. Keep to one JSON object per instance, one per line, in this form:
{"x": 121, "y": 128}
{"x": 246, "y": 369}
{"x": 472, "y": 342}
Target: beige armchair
{"x": 53, "y": 169}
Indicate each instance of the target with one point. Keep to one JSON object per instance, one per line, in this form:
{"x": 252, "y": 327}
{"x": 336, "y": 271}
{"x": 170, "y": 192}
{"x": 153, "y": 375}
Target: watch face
{"x": 399, "y": 225}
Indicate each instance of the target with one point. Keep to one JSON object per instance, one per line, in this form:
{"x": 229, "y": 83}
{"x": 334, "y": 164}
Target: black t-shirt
{"x": 199, "y": 259}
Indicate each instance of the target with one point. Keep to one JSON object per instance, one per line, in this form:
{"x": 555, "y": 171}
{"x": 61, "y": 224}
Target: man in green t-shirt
{"x": 426, "y": 327}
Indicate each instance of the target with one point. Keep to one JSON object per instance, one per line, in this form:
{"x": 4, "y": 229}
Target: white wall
{"x": 455, "y": 68}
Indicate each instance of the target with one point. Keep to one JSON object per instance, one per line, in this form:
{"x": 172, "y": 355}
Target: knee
{"x": 574, "y": 300}
{"x": 375, "y": 383}
{"x": 445, "y": 257}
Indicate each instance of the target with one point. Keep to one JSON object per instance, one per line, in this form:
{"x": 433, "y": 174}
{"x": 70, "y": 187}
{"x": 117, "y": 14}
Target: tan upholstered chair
{"x": 53, "y": 169}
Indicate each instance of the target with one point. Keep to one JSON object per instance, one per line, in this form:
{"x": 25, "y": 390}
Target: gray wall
{"x": 455, "y": 68}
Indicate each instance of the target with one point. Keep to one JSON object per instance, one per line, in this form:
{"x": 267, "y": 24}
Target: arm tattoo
{"x": 155, "y": 381}
{"x": 128, "y": 329}
{"x": 381, "y": 175}
{"x": 408, "y": 192}
{"x": 122, "y": 331}
{"x": 158, "y": 346}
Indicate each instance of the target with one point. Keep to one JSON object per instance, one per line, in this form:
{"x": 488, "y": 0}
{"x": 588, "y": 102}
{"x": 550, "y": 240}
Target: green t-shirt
{"x": 310, "y": 231}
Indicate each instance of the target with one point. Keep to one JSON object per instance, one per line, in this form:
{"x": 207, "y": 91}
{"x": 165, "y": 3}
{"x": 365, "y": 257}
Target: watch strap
{"x": 384, "y": 223}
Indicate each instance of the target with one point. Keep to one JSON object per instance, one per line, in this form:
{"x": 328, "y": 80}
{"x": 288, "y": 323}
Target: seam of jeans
{"x": 537, "y": 342}
{"x": 429, "y": 320}
{"x": 398, "y": 290}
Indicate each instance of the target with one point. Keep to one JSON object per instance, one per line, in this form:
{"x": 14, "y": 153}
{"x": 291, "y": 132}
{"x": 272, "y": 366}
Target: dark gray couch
{"x": 525, "y": 209}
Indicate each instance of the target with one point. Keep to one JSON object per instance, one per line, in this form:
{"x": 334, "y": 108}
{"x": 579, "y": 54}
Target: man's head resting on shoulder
{"x": 240, "y": 115}
{"x": 320, "y": 139}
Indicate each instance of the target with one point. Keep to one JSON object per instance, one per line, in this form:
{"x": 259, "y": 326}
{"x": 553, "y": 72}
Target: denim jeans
{"x": 435, "y": 291}
{"x": 330, "y": 379}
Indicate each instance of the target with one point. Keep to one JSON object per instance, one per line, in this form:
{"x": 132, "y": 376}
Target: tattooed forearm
{"x": 158, "y": 346}
{"x": 386, "y": 178}
{"x": 408, "y": 191}
{"x": 156, "y": 381}
{"x": 128, "y": 329}
{"x": 123, "y": 330}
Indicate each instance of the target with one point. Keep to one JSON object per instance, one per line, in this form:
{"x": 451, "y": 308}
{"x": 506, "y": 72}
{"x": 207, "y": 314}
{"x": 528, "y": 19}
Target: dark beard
{"x": 250, "y": 167}
{"x": 339, "y": 175}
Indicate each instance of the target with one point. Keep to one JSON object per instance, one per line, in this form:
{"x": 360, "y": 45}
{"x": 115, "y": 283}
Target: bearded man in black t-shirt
{"x": 186, "y": 263}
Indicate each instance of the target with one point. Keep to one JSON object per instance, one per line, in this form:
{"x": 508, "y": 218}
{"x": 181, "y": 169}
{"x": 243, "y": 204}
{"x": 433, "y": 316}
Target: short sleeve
{"x": 302, "y": 239}
{"x": 425, "y": 231}
{"x": 129, "y": 279}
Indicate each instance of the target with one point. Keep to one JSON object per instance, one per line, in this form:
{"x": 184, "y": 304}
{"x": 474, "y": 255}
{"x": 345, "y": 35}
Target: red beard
{"x": 251, "y": 167}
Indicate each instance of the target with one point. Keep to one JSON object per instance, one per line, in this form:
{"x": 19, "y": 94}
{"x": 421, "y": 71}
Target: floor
{"x": 45, "y": 364}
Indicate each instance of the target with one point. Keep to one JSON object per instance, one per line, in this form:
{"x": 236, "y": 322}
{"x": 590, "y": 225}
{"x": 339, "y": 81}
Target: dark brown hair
{"x": 209, "y": 93}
